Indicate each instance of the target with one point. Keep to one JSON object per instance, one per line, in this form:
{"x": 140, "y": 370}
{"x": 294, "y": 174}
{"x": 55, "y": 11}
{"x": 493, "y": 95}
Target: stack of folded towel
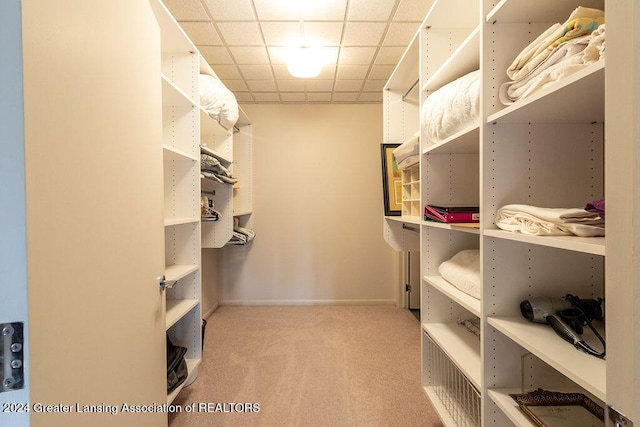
{"x": 463, "y": 271}
{"x": 539, "y": 221}
{"x": 561, "y": 50}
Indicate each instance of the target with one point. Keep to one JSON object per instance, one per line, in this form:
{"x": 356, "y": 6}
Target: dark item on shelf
{"x": 204, "y": 327}
{"x": 176, "y": 365}
{"x": 391, "y": 181}
{"x": 446, "y": 215}
{"x": 567, "y": 316}
{"x": 548, "y": 408}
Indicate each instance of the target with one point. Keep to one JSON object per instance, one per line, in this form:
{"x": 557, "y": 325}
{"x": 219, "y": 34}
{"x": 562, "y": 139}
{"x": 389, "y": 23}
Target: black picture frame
{"x": 391, "y": 181}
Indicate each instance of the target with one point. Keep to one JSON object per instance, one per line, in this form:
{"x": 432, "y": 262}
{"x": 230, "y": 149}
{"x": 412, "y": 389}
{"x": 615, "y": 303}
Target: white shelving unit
{"x": 400, "y": 124}
{"x": 233, "y": 148}
{"x": 547, "y": 150}
{"x": 181, "y": 120}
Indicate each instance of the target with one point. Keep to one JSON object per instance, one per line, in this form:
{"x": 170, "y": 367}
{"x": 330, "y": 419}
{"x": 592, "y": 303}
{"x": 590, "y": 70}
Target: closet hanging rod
{"x": 406, "y": 227}
{"x": 413, "y": 86}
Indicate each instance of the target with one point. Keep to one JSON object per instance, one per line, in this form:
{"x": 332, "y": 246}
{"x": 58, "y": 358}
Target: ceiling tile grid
{"x": 246, "y": 43}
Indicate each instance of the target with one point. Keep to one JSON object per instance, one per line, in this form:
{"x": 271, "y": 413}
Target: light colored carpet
{"x": 310, "y": 366}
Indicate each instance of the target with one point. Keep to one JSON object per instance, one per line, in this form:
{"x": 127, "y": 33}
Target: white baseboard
{"x": 210, "y": 311}
{"x": 311, "y": 302}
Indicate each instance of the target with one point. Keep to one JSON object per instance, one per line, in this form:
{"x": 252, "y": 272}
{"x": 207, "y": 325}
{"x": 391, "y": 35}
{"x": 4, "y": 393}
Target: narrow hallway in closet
{"x": 312, "y": 366}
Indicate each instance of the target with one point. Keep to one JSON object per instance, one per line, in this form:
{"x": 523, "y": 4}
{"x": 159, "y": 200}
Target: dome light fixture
{"x": 305, "y": 62}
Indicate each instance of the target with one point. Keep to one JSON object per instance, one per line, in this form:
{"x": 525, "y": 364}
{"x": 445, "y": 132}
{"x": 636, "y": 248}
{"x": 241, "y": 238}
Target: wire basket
{"x": 456, "y": 393}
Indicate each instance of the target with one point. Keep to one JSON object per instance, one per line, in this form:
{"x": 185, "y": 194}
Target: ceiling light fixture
{"x": 305, "y": 62}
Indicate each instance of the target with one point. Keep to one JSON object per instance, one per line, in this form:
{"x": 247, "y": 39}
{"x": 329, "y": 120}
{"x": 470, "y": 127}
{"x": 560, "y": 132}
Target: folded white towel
{"x": 539, "y": 221}
{"x": 463, "y": 271}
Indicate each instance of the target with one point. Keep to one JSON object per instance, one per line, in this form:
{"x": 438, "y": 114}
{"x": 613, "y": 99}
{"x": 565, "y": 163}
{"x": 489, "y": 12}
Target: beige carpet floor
{"x": 309, "y": 366}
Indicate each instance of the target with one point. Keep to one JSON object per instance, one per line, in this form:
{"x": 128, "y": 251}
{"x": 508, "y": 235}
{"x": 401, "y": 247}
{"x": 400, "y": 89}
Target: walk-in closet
{"x": 341, "y": 212}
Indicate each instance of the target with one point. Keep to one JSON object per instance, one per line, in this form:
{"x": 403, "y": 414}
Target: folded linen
{"x": 407, "y": 150}
{"x": 565, "y": 60}
{"x": 463, "y": 271}
{"x": 451, "y": 108}
{"x": 538, "y": 221}
{"x": 582, "y": 21}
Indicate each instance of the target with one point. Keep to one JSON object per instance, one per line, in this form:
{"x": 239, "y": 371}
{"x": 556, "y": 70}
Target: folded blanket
{"x": 407, "y": 151}
{"x": 463, "y": 271}
{"x": 565, "y": 60}
{"x": 451, "y": 108}
{"x": 539, "y": 221}
{"x": 582, "y": 21}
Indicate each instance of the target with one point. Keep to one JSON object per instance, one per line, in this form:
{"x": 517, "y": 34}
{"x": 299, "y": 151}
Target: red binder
{"x": 452, "y": 213}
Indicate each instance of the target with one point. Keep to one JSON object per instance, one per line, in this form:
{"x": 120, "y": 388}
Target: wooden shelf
{"x": 215, "y": 154}
{"x": 174, "y": 273}
{"x": 172, "y": 95}
{"x": 406, "y": 73}
{"x": 440, "y": 408}
{"x": 177, "y": 309}
{"x": 461, "y": 346}
{"x": 578, "y": 98}
{"x": 467, "y": 141}
{"x": 472, "y": 228}
{"x": 467, "y": 301}
{"x": 463, "y": 60}
{"x": 168, "y": 222}
{"x": 453, "y": 14}
{"x": 509, "y": 406}
{"x": 589, "y": 245}
{"x": 585, "y": 370}
{"x": 550, "y": 11}
{"x": 171, "y": 153}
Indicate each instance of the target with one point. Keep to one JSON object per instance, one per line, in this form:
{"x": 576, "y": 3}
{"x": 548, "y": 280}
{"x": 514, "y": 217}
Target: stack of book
{"x": 452, "y": 213}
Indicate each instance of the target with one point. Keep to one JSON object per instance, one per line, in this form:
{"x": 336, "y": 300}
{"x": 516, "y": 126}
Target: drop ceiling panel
{"x": 355, "y": 55}
{"x": 202, "y": 33}
{"x": 230, "y": 10}
{"x": 246, "y": 43}
{"x": 241, "y": 33}
{"x": 294, "y": 10}
{"x": 370, "y": 10}
{"x": 363, "y": 33}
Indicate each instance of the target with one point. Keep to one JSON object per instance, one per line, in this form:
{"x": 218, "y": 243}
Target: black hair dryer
{"x": 567, "y": 316}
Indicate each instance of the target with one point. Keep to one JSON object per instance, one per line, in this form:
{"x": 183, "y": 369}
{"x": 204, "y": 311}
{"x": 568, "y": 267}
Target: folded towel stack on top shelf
{"x": 560, "y": 51}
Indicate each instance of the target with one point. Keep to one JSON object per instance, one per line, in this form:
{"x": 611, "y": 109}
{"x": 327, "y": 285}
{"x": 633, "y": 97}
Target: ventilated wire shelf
{"x": 456, "y": 394}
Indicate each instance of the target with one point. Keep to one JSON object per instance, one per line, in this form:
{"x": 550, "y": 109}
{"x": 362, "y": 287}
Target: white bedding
{"x": 218, "y": 101}
{"x": 463, "y": 271}
{"x": 451, "y": 108}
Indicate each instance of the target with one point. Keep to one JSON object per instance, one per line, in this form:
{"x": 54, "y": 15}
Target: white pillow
{"x": 218, "y": 101}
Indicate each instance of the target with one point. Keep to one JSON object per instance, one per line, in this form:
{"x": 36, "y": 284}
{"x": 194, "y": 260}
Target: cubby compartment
{"x": 452, "y": 179}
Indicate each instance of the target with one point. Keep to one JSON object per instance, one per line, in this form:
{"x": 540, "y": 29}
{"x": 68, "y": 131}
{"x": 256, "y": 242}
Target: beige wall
{"x": 317, "y": 210}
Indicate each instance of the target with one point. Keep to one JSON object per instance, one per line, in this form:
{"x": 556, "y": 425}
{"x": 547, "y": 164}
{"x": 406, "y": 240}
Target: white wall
{"x": 317, "y": 210}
